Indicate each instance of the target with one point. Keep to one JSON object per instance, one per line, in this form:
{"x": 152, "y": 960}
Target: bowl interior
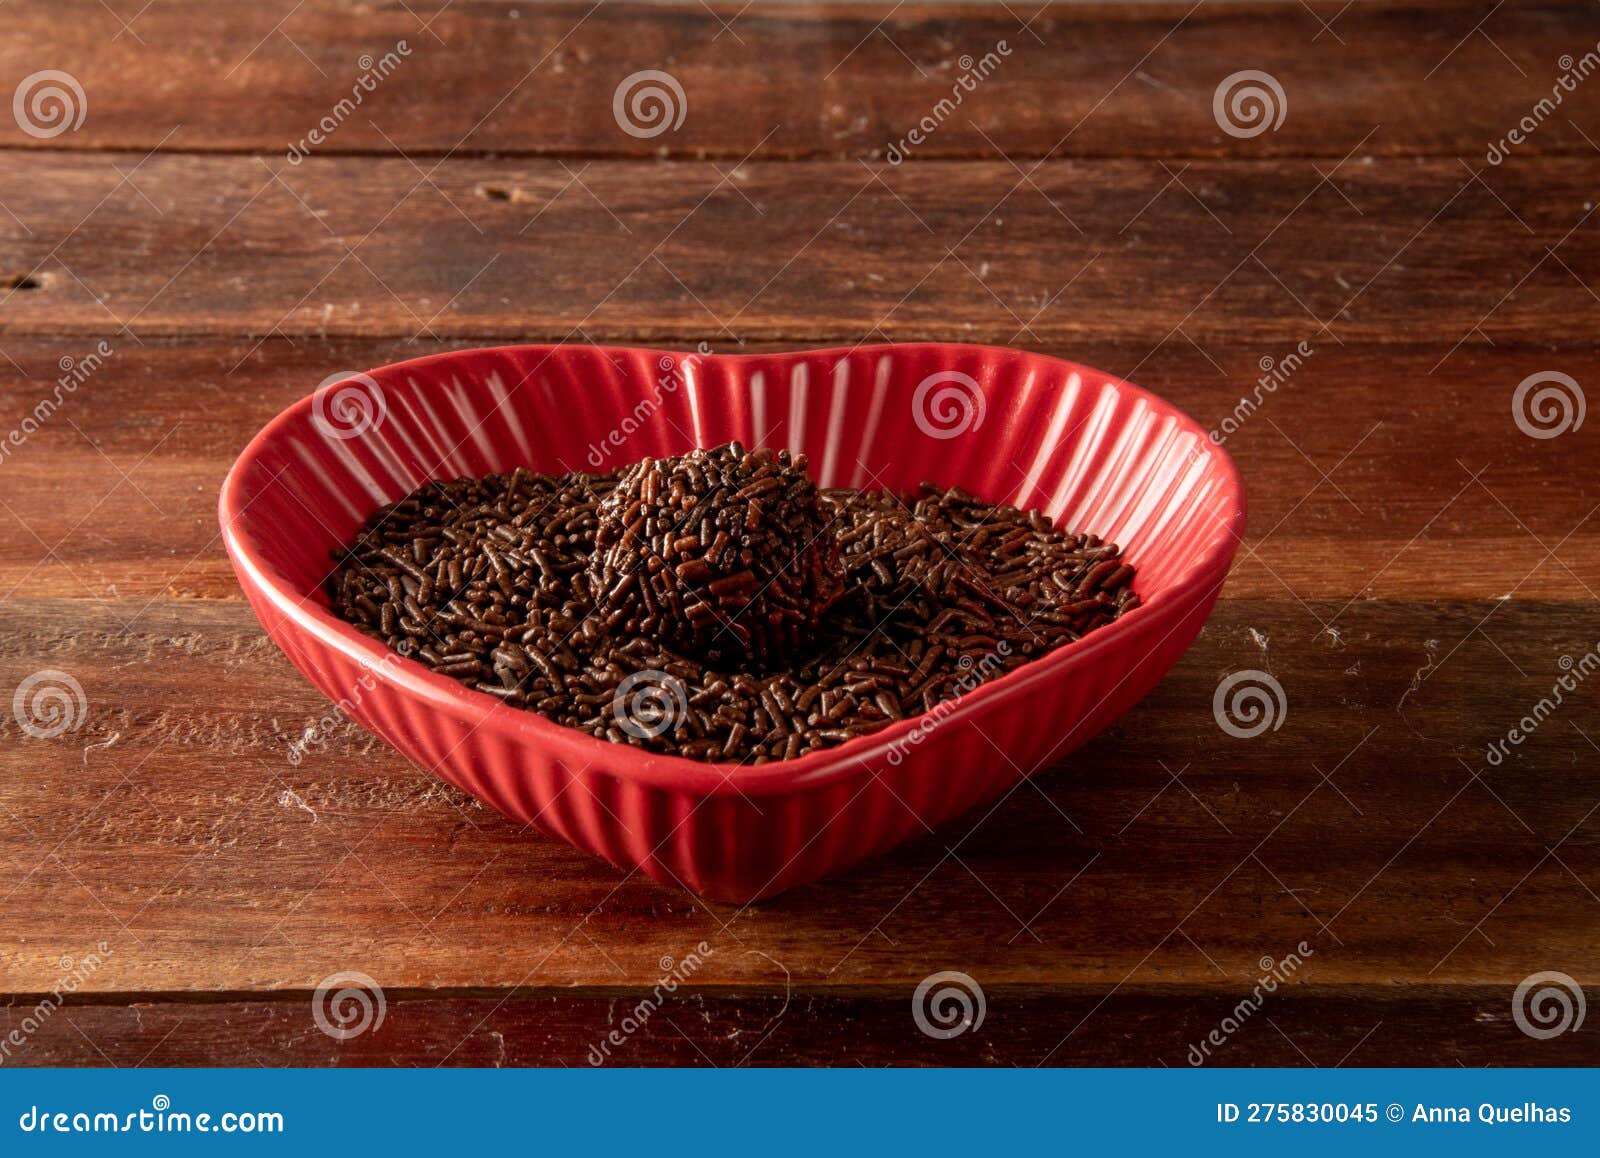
{"x": 1090, "y": 451}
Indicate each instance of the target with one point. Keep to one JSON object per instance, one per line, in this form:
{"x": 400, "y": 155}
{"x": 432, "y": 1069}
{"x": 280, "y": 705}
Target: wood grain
{"x": 803, "y": 80}
{"x": 1417, "y": 572}
{"x": 1361, "y": 1026}
{"x": 1271, "y": 253}
{"x": 174, "y": 826}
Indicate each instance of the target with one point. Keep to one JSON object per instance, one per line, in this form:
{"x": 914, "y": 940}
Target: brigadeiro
{"x": 725, "y": 554}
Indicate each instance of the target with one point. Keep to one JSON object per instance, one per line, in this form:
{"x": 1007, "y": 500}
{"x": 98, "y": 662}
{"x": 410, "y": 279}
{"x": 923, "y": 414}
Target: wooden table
{"x": 1418, "y": 573}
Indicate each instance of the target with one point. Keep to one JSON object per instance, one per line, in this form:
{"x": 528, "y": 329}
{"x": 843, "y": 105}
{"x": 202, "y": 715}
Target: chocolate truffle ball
{"x": 722, "y": 554}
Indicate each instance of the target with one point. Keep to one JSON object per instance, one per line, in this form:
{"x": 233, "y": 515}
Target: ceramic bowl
{"x": 1092, "y": 452}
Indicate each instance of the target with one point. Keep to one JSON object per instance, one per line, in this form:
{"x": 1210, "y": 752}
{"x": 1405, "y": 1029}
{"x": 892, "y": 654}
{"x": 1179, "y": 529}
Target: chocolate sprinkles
{"x": 718, "y": 605}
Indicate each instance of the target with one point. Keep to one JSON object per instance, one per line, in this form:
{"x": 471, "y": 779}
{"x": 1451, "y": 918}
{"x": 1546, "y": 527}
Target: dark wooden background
{"x": 1415, "y": 570}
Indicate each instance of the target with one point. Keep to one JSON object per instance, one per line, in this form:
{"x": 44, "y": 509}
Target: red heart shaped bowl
{"x": 1094, "y": 453}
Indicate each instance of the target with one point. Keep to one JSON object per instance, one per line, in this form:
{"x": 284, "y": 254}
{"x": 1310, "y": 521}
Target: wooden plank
{"x": 478, "y": 76}
{"x": 1417, "y": 573}
{"x": 1351, "y": 495}
{"x": 830, "y": 251}
{"x": 1365, "y": 1026}
{"x": 174, "y": 827}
